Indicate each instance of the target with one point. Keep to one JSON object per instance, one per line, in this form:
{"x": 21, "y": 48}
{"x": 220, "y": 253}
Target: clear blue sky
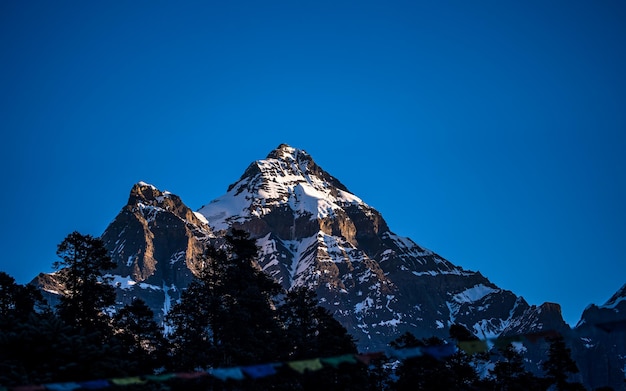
{"x": 492, "y": 132}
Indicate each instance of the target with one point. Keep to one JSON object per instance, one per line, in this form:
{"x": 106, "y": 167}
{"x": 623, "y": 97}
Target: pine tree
{"x": 462, "y": 364}
{"x": 313, "y": 332}
{"x": 17, "y": 302}
{"x": 509, "y": 373}
{"x": 190, "y": 320}
{"x": 440, "y": 366}
{"x": 423, "y": 372}
{"x": 311, "y": 329}
{"x": 140, "y": 337}
{"x": 87, "y": 293}
{"x": 226, "y": 316}
{"x": 560, "y": 365}
{"x": 246, "y": 327}
{"x": 45, "y": 349}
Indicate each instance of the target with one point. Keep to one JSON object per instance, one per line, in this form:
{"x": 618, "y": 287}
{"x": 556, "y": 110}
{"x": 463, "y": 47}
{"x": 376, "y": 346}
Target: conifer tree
{"x": 87, "y": 293}
{"x": 423, "y": 372}
{"x": 313, "y": 332}
{"x": 226, "y": 316}
{"x": 140, "y": 337}
{"x": 560, "y": 365}
{"x": 190, "y": 321}
{"x": 509, "y": 373}
{"x": 463, "y": 364}
{"x": 45, "y": 349}
{"x": 246, "y": 327}
{"x": 17, "y": 301}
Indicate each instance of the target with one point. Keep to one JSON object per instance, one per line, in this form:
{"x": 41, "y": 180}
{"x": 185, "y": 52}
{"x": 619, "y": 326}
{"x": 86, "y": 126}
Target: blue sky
{"x": 490, "y": 132}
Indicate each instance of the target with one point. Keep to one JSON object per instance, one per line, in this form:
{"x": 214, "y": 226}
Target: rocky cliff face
{"x": 155, "y": 241}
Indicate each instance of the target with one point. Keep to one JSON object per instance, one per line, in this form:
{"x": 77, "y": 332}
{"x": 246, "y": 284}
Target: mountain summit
{"x": 287, "y": 178}
{"x": 313, "y": 231}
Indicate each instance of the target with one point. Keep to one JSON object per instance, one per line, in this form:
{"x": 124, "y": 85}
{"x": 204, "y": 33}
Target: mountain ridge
{"x": 312, "y": 231}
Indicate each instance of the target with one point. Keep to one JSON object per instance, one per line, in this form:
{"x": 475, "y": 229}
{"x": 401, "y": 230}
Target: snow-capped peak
{"x": 144, "y": 184}
{"x": 287, "y": 178}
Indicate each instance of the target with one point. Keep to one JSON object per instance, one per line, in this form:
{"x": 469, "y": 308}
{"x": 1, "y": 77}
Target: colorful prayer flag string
{"x": 300, "y": 366}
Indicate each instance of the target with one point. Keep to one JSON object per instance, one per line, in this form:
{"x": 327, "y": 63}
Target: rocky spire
{"x": 153, "y": 232}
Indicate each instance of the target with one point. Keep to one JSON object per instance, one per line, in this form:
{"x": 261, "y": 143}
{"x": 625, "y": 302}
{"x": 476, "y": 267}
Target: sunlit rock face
{"x": 156, "y": 241}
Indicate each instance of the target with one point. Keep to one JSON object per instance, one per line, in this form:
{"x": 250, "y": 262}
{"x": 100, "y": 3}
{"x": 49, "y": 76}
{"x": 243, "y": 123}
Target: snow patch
{"x": 613, "y": 304}
{"x": 474, "y": 294}
{"x": 122, "y": 282}
{"x": 144, "y": 184}
{"x": 201, "y": 217}
{"x": 364, "y": 305}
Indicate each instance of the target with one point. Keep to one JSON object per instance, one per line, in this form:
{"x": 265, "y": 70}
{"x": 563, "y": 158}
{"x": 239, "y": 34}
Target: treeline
{"x": 231, "y": 315}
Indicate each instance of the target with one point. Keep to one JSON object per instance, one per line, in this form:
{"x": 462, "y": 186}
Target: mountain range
{"x": 312, "y": 231}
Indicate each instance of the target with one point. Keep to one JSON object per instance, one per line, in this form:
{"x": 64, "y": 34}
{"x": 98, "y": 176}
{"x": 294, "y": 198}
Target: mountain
{"x": 312, "y": 231}
{"x": 155, "y": 240}
{"x": 602, "y": 333}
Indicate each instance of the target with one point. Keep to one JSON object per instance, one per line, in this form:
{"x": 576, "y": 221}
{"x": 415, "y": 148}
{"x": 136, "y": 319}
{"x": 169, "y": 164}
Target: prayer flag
{"x": 94, "y": 384}
{"x": 440, "y": 351}
{"x": 365, "y": 358}
{"x": 471, "y": 347}
{"x": 304, "y": 365}
{"x": 407, "y": 353}
{"x": 159, "y": 378}
{"x": 190, "y": 375}
{"x": 534, "y": 337}
{"x": 335, "y": 361}
{"x": 227, "y": 373}
{"x": 257, "y": 371}
{"x": 126, "y": 381}
{"x": 62, "y": 386}
{"x": 503, "y": 342}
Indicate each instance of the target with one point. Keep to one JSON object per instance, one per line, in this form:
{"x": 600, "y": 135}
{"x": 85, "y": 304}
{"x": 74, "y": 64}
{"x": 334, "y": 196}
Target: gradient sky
{"x": 491, "y": 132}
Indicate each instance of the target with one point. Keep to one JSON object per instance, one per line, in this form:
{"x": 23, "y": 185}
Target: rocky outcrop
{"x": 155, "y": 241}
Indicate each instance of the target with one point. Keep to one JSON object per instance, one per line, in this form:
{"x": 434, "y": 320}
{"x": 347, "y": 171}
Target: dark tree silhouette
{"x": 560, "y": 365}
{"x": 313, "y": 332}
{"x": 226, "y": 316}
{"x": 247, "y": 329}
{"x": 462, "y": 364}
{"x": 509, "y": 373}
{"x": 17, "y": 301}
{"x": 86, "y": 291}
{"x": 191, "y": 320}
{"x": 422, "y": 372}
{"x": 140, "y": 336}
